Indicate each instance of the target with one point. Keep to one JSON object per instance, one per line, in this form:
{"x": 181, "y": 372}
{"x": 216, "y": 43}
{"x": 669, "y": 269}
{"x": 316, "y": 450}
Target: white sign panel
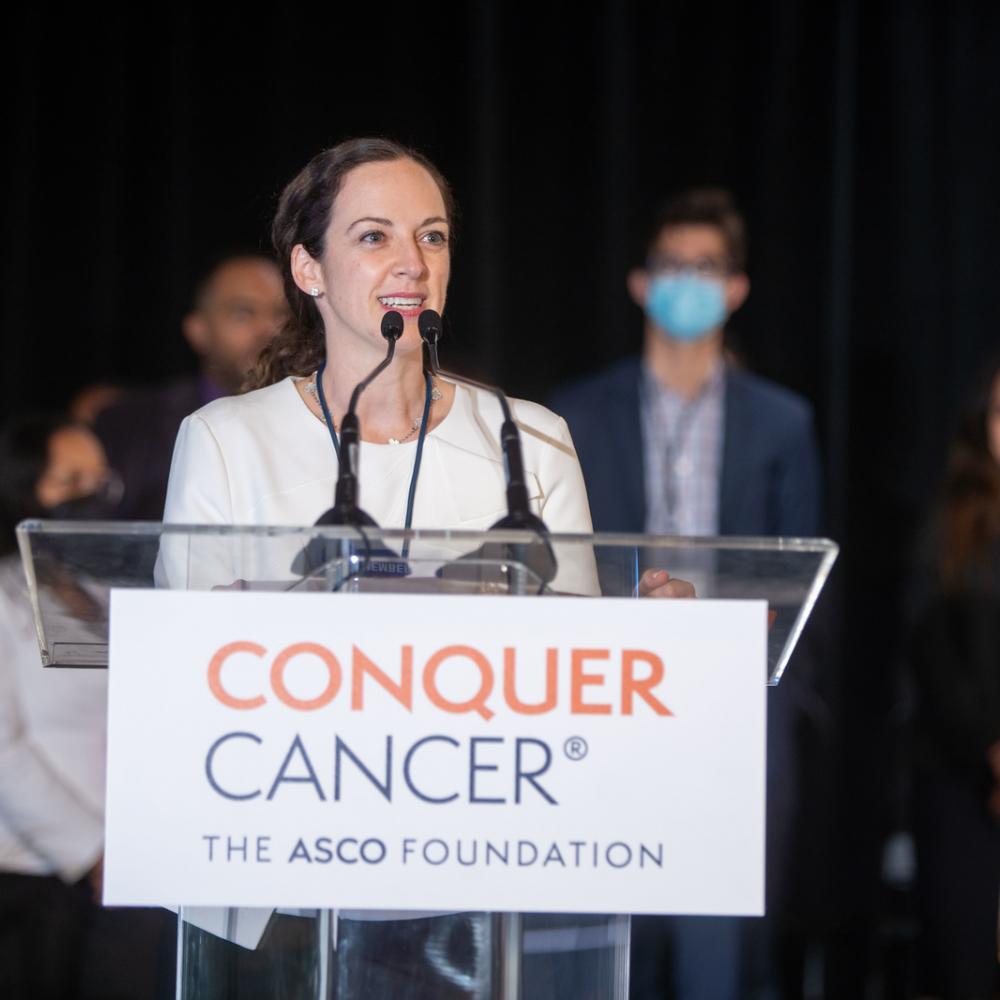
{"x": 436, "y": 752}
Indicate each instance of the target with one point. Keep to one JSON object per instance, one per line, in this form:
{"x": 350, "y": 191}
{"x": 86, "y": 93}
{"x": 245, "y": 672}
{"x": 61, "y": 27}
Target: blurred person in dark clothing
{"x": 680, "y": 441}
{"x": 56, "y": 940}
{"x": 955, "y": 659}
{"x": 238, "y": 308}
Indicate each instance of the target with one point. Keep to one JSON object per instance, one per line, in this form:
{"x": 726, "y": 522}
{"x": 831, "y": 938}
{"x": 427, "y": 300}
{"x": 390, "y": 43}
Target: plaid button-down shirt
{"x": 682, "y": 448}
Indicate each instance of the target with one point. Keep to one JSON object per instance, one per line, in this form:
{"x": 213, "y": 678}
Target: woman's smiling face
{"x": 386, "y": 247}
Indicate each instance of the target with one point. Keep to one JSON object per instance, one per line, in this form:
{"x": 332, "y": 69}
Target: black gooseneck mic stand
{"x": 345, "y": 509}
{"x": 519, "y": 513}
{"x": 539, "y": 556}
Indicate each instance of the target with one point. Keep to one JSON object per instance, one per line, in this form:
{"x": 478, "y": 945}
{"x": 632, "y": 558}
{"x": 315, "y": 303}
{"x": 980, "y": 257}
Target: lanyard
{"x": 415, "y": 475}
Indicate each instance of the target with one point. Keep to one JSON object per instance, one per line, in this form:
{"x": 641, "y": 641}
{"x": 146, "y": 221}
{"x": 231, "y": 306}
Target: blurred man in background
{"x": 238, "y": 307}
{"x": 681, "y": 441}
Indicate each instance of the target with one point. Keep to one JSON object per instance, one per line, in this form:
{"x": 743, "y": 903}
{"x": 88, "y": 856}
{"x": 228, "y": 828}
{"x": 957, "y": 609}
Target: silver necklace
{"x": 310, "y": 387}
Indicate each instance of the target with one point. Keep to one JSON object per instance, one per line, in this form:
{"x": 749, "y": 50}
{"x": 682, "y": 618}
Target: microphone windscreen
{"x": 392, "y": 325}
{"x": 429, "y": 325}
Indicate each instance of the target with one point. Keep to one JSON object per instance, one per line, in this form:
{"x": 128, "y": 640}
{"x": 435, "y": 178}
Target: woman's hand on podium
{"x": 659, "y": 583}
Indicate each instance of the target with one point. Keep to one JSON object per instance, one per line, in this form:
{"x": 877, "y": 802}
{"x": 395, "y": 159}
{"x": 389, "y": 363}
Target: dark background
{"x": 860, "y": 139}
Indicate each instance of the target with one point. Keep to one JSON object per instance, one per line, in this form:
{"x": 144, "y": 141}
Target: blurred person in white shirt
{"x": 52, "y": 728}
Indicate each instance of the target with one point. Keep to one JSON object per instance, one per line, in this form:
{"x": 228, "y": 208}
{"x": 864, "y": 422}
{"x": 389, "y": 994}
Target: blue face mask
{"x": 685, "y": 305}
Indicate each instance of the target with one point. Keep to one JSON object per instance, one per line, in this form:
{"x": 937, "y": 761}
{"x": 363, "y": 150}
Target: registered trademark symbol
{"x": 575, "y": 748}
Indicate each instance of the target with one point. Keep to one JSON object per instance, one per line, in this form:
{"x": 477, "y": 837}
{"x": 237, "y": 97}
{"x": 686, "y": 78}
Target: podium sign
{"x": 412, "y": 752}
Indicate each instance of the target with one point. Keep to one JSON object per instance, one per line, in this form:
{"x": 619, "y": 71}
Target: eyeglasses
{"x": 703, "y": 267}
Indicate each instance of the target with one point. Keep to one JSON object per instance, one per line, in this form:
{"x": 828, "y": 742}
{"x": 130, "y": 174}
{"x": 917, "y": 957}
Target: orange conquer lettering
{"x": 361, "y": 665}
{"x": 278, "y": 676}
{"x": 510, "y": 689}
{"x": 595, "y": 681}
{"x": 631, "y": 685}
{"x": 477, "y": 703}
{"x": 215, "y": 675}
{"x": 579, "y": 678}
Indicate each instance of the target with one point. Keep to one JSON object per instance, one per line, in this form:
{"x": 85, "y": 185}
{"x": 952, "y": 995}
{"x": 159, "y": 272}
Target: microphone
{"x": 519, "y": 512}
{"x": 345, "y": 509}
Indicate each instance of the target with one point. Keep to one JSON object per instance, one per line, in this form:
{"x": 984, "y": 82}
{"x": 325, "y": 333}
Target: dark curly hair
{"x": 303, "y": 216}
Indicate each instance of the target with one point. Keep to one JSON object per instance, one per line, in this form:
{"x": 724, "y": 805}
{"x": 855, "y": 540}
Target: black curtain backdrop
{"x": 860, "y": 139}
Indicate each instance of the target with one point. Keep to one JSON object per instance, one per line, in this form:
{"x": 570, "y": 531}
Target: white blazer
{"x": 264, "y": 458}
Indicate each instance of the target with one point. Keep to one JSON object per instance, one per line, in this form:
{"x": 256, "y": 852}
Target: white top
{"x": 52, "y": 749}
{"x": 264, "y": 458}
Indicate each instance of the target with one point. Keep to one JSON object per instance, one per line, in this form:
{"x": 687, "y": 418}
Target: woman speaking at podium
{"x": 366, "y": 228}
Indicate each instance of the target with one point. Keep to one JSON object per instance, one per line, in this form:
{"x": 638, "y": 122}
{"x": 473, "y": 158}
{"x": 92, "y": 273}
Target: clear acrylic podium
{"x": 72, "y": 568}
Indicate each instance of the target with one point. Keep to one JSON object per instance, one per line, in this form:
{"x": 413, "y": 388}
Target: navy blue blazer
{"x": 770, "y": 482}
{"x": 770, "y": 485}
